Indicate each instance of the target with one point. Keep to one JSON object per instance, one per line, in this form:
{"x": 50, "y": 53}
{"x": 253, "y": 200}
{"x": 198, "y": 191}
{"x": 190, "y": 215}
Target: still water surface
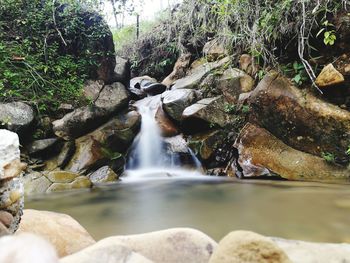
{"x": 216, "y": 206}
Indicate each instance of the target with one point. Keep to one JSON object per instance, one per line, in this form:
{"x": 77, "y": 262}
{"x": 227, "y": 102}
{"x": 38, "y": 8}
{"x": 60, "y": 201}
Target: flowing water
{"x": 158, "y": 193}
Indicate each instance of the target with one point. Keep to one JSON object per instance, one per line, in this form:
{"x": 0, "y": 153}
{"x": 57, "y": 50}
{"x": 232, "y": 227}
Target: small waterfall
{"x": 151, "y": 152}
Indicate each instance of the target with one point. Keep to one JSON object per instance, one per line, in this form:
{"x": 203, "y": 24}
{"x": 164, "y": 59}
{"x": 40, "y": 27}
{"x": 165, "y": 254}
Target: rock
{"x": 82, "y": 120}
{"x": 62, "y": 231}
{"x": 167, "y": 127}
{"x": 175, "y": 101}
{"x": 44, "y": 147}
{"x": 179, "y": 71}
{"x": 172, "y": 245}
{"x": 26, "y": 248}
{"x": 66, "y": 153}
{"x": 61, "y": 176}
{"x": 231, "y": 83}
{"x": 153, "y": 88}
{"x": 329, "y": 76}
{"x": 307, "y": 252}
{"x": 17, "y": 117}
{"x": 214, "y": 50}
{"x": 198, "y": 74}
{"x": 104, "y": 251}
{"x": 210, "y": 110}
{"x": 246, "y": 63}
{"x": 299, "y": 119}
{"x": 248, "y": 247}
{"x": 121, "y": 70}
{"x": 135, "y": 86}
{"x": 4, "y": 231}
{"x": 92, "y": 89}
{"x": 35, "y": 183}
{"x": 103, "y": 175}
{"x": 260, "y": 152}
{"x": 65, "y": 108}
{"x": 81, "y": 182}
{"x": 96, "y": 148}
{"x": 6, "y": 218}
{"x": 9, "y": 153}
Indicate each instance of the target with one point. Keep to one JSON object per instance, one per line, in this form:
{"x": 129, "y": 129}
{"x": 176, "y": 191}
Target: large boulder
{"x": 300, "y": 119}
{"x": 109, "y": 100}
{"x": 172, "y": 245}
{"x": 45, "y": 147}
{"x": 121, "y": 70}
{"x": 261, "y": 153}
{"x": 181, "y": 66}
{"x": 17, "y": 117}
{"x": 62, "y": 231}
{"x": 165, "y": 124}
{"x": 175, "y": 101}
{"x": 248, "y": 247}
{"x": 97, "y": 147}
{"x": 195, "y": 76}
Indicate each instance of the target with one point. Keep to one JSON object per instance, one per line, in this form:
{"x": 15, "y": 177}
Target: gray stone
{"x": 122, "y": 70}
{"x": 112, "y": 97}
{"x": 103, "y": 175}
{"x": 66, "y": 153}
{"x": 43, "y": 146}
{"x": 92, "y": 89}
{"x": 35, "y": 183}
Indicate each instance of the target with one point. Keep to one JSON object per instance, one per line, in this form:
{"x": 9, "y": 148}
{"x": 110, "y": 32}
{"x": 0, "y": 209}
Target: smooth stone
{"x": 166, "y": 126}
{"x": 4, "y": 231}
{"x": 6, "y": 218}
{"x": 61, "y": 176}
{"x": 104, "y": 251}
{"x": 112, "y": 97}
{"x": 329, "y": 76}
{"x": 179, "y": 71}
{"x": 42, "y": 146}
{"x": 154, "y": 88}
{"x": 81, "y": 182}
{"x": 35, "y": 183}
{"x": 172, "y": 245}
{"x": 26, "y": 248}
{"x": 9, "y": 151}
{"x": 121, "y": 70}
{"x": 103, "y": 175}
{"x": 62, "y": 231}
{"x": 248, "y": 247}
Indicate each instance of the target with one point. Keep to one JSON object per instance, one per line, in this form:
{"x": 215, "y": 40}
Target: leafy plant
{"x": 297, "y": 72}
{"x": 329, "y": 157}
{"x": 229, "y": 108}
{"x": 329, "y": 36}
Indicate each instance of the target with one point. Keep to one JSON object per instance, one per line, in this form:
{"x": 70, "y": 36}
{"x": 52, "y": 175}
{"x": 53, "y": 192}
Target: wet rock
{"x": 179, "y": 71}
{"x": 45, "y": 146}
{"x": 103, "y": 175}
{"x": 17, "y": 117}
{"x": 307, "y": 252}
{"x": 175, "y": 101}
{"x": 198, "y": 74}
{"x": 66, "y": 153}
{"x": 299, "y": 119}
{"x": 261, "y": 153}
{"x": 172, "y": 245}
{"x": 247, "y": 247}
{"x": 62, "y": 231}
{"x": 26, "y": 248}
{"x": 329, "y": 76}
{"x": 167, "y": 127}
{"x": 94, "y": 149}
{"x": 81, "y": 182}
{"x": 135, "y": 86}
{"x": 214, "y": 50}
{"x": 210, "y": 110}
{"x": 153, "y": 88}
{"x": 121, "y": 70}
{"x": 82, "y": 120}
{"x": 92, "y": 89}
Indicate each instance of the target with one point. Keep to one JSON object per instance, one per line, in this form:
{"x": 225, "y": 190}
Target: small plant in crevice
{"x": 230, "y": 108}
{"x": 329, "y": 33}
{"x": 329, "y": 157}
{"x": 296, "y": 71}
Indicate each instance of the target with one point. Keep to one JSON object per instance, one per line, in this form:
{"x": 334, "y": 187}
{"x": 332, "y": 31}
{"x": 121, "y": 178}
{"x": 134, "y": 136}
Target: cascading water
{"x": 151, "y": 154}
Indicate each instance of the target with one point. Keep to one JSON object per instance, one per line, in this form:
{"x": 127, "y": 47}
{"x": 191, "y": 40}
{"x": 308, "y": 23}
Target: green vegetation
{"x": 329, "y": 157}
{"x": 47, "y": 50}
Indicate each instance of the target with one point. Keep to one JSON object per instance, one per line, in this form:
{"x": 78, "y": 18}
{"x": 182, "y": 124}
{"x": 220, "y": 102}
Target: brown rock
{"x": 214, "y": 50}
{"x": 6, "y": 218}
{"x": 62, "y": 231}
{"x": 181, "y": 66}
{"x": 13, "y": 169}
{"x": 3, "y": 230}
{"x": 246, "y": 63}
{"x": 248, "y": 247}
{"x": 261, "y": 153}
{"x": 167, "y": 127}
{"x": 329, "y": 76}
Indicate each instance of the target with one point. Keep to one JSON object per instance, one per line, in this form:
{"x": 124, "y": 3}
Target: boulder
{"x": 44, "y": 146}
{"x": 153, "y": 89}
{"x": 62, "y": 231}
{"x": 35, "y": 183}
{"x": 246, "y": 63}
{"x": 26, "y": 248}
{"x": 66, "y": 153}
{"x": 212, "y": 111}
{"x": 307, "y": 252}
{"x": 135, "y": 86}
{"x": 82, "y": 120}
{"x": 198, "y": 74}
{"x": 9, "y": 155}
{"x": 261, "y": 153}
{"x": 17, "y": 117}
{"x": 97, "y": 147}
{"x": 172, "y": 245}
{"x": 181, "y": 66}
{"x": 103, "y": 175}
{"x": 214, "y": 50}
{"x": 167, "y": 127}
{"x": 92, "y": 89}
{"x": 104, "y": 251}
{"x": 300, "y": 119}
{"x": 121, "y": 70}
{"x": 81, "y": 182}
{"x": 248, "y": 247}
{"x": 329, "y": 76}
{"x": 61, "y": 176}
{"x": 175, "y": 101}
{"x": 6, "y": 218}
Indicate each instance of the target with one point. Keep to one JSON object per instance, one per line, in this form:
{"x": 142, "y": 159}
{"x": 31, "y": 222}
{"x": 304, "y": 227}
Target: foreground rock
{"x": 62, "y": 231}
{"x": 103, "y": 175}
{"x": 11, "y": 188}
{"x": 261, "y": 153}
{"x": 17, "y": 117}
{"x": 26, "y": 248}
{"x": 108, "y": 100}
{"x": 301, "y": 120}
{"x": 329, "y": 76}
{"x": 173, "y": 245}
{"x": 248, "y": 247}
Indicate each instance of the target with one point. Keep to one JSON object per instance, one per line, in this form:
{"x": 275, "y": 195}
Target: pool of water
{"x": 216, "y": 206}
